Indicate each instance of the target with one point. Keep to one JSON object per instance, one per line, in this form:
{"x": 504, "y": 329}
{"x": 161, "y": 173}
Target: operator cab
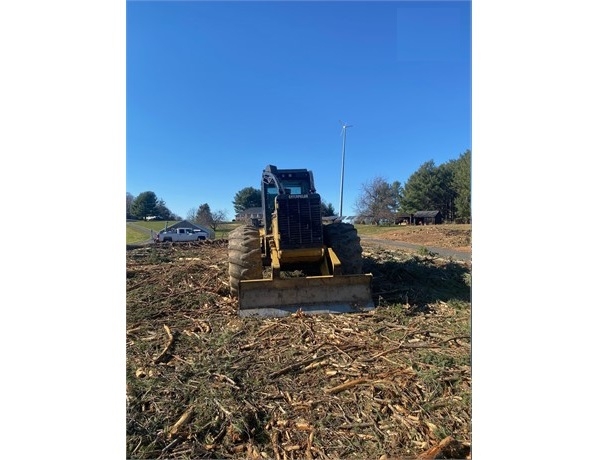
{"x": 296, "y": 182}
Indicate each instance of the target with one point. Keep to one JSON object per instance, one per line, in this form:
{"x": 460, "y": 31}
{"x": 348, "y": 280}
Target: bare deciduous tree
{"x": 218, "y": 217}
{"x": 212, "y": 219}
{"x": 379, "y": 200}
{"x": 191, "y": 215}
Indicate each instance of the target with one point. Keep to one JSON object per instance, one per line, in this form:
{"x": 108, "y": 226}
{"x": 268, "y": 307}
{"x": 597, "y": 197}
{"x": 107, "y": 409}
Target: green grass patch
{"x": 135, "y": 236}
{"x": 374, "y": 230}
{"x": 139, "y": 231}
{"x": 155, "y": 225}
{"x": 224, "y": 229}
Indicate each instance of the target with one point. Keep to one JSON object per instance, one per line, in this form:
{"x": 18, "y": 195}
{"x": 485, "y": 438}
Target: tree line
{"x": 250, "y": 197}
{"x": 146, "y": 206}
{"x": 445, "y": 188}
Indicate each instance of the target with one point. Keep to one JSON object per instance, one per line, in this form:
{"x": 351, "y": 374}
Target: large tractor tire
{"x": 244, "y": 257}
{"x": 345, "y": 242}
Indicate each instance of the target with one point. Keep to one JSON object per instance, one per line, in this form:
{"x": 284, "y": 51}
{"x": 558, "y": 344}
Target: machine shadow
{"x": 417, "y": 280}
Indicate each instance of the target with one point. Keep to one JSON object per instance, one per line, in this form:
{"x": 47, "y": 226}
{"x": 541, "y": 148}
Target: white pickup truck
{"x": 181, "y": 234}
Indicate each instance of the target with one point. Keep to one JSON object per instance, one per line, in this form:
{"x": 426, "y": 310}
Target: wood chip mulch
{"x": 204, "y": 383}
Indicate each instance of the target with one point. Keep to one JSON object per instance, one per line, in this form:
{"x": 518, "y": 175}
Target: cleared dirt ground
{"x": 452, "y": 236}
{"x": 391, "y": 383}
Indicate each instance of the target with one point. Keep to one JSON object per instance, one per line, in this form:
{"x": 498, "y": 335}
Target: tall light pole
{"x": 344, "y": 126}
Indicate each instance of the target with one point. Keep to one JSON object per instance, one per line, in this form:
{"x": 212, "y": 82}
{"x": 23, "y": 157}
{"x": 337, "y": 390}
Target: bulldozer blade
{"x": 311, "y": 295}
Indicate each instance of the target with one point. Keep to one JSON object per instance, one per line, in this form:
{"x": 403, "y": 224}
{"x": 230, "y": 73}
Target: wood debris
{"x": 392, "y": 383}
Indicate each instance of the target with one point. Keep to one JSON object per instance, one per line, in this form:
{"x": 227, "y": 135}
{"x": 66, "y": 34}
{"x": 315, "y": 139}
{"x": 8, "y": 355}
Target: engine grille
{"x": 300, "y": 222}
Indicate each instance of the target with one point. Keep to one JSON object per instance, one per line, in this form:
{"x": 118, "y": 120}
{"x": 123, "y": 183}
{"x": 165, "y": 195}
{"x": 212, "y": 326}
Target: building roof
{"x": 256, "y": 210}
{"x": 426, "y": 213}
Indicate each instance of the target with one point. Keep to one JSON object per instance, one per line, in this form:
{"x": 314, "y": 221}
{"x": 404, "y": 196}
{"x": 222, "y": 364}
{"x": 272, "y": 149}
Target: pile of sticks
{"x": 204, "y": 383}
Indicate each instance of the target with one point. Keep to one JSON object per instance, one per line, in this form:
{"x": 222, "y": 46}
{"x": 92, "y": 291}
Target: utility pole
{"x": 344, "y": 126}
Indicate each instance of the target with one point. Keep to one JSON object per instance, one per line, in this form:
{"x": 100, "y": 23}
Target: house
{"x": 249, "y": 214}
{"x": 427, "y": 217}
{"x": 188, "y": 224}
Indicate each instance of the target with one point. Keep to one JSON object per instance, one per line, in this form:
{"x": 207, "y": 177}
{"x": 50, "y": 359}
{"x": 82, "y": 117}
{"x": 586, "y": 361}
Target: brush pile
{"x": 204, "y": 383}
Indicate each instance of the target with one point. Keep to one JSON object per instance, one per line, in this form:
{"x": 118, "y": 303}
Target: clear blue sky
{"x": 218, "y": 90}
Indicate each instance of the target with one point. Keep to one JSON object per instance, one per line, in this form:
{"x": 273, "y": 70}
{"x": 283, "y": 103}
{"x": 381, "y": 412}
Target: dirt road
{"x": 443, "y": 252}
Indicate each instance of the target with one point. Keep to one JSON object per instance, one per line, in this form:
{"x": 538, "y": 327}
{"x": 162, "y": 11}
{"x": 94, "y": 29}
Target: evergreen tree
{"x": 446, "y": 195}
{"x": 428, "y": 189}
{"x": 327, "y": 209}
{"x": 248, "y": 197}
{"x": 445, "y": 188}
{"x": 162, "y": 212}
{"x": 462, "y": 186}
{"x": 204, "y": 216}
{"x": 144, "y": 205}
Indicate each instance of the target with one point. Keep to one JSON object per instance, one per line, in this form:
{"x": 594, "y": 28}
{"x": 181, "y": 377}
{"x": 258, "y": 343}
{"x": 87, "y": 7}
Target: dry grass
{"x": 204, "y": 383}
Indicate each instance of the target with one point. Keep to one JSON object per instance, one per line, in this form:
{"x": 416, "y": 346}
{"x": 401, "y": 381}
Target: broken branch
{"x": 182, "y": 420}
{"x": 163, "y": 353}
{"x": 345, "y": 386}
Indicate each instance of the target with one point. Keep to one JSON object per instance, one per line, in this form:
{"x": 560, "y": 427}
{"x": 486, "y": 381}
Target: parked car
{"x": 180, "y": 234}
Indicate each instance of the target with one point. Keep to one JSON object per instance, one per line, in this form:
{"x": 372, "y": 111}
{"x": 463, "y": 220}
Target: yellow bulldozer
{"x": 291, "y": 261}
